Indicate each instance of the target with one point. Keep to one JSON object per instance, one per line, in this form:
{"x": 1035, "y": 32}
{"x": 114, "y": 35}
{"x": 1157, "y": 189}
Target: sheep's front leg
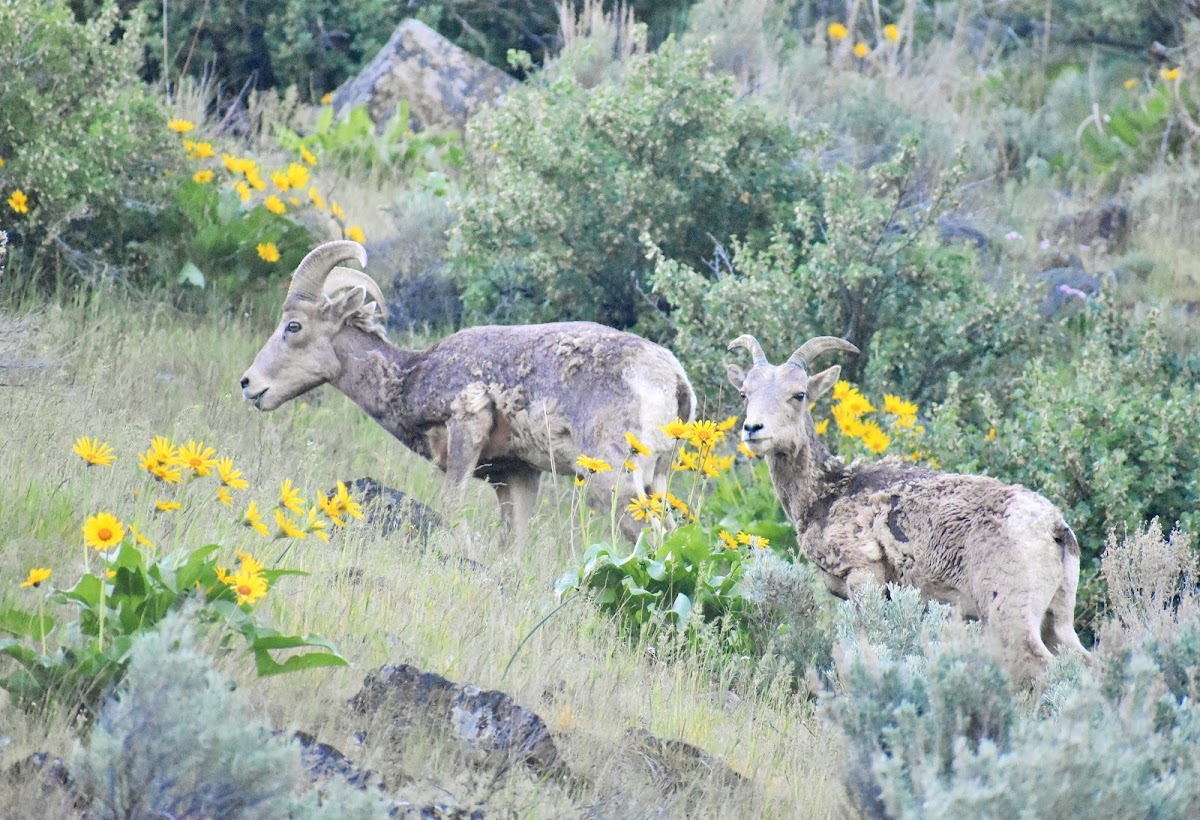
{"x": 517, "y": 493}
{"x": 467, "y": 430}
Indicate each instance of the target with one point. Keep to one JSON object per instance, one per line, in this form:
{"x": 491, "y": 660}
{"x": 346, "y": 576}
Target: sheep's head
{"x": 322, "y": 299}
{"x": 779, "y": 398}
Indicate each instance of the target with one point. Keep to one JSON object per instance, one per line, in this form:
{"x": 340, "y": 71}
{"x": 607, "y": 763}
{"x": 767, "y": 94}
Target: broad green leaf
{"x": 25, "y": 624}
{"x": 189, "y": 274}
{"x": 267, "y": 666}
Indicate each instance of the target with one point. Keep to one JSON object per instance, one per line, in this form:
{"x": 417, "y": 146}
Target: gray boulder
{"x": 442, "y": 84}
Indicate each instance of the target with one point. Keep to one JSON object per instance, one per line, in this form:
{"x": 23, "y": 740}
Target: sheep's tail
{"x": 685, "y": 397}
{"x": 1068, "y": 544}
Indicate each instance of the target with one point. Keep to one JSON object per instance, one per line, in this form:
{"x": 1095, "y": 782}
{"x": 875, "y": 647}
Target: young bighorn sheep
{"x": 503, "y": 403}
{"x": 997, "y": 552}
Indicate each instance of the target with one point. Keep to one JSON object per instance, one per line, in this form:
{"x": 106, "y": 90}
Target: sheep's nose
{"x": 750, "y": 429}
{"x": 245, "y": 382}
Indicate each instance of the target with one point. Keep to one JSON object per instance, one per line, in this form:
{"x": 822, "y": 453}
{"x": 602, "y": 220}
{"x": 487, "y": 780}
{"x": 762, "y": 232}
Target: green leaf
{"x": 267, "y": 666}
{"x": 86, "y": 592}
{"x": 25, "y": 624}
{"x": 682, "y": 608}
{"x": 189, "y": 274}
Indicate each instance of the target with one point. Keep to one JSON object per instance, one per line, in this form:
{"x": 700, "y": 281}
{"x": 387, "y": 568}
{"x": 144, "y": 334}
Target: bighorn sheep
{"x": 503, "y": 403}
{"x": 997, "y": 552}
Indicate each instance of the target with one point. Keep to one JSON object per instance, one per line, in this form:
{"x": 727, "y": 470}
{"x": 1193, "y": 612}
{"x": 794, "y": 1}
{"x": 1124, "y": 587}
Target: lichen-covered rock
{"x": 442, "y": 84}
{"x": 495, "y": 731}
{"x": 391, "y": 511}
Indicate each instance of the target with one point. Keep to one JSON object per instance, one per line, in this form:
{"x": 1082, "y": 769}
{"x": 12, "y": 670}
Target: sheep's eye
{"x": 798, "y": 397}
{"x": 292, "y": 327}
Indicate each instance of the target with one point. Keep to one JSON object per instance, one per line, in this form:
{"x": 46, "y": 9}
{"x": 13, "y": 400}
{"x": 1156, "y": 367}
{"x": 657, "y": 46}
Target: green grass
{"x": 121, "y": 374}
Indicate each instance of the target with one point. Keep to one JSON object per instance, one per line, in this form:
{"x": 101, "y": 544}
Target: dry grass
{"x": 125, "y": 376}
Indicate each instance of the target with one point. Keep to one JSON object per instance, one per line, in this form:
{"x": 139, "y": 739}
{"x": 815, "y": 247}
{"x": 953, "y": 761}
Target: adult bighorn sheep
{"x": 503, "y": 403}
{"x": 996, "y": 552}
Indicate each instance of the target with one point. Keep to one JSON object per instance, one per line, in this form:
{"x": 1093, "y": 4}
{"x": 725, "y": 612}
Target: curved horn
{"x": 340, "y": 278}
{"x": 813, "y": 348}
{"x": 310, "y": 274}
{"x": 750, "y": 343}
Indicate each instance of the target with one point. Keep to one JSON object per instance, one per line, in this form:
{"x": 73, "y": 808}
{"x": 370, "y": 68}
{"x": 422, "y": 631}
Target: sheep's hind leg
{"x": 517, "y": 493}
{"x": 1019, "y": 634}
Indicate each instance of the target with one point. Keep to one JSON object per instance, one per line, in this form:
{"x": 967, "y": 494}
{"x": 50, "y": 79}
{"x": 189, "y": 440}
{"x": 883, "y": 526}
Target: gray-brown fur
{"x": 997, "y": 552}
{"x": 503, "y": 403}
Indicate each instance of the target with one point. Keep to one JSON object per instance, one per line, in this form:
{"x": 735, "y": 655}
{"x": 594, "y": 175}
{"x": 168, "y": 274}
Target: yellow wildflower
{"x": 232, "y": 164}
{"x": 243, "y": 191}
{"x": 327, "y": 98}
{"x": 727, "y": 540}
{"x": 704, "y": 435}
{"x": 841, "y": 389}
{"x": 315, "y": 526}
{"x": 356, "y": 234}
{"x": 297, "y": 175}
{"x": 222, "y": 574}
{"x": 203, "y": 177}
{"x": 337, "y": 211}
{"x": 861, "y": 50}
{"x": 644, "y": 509}
{"x": 748, "y": 453}
{"x": 249, "y": 587}
{"x": 847, "y": 421}
{"x": 103, "y": 530}
{"x": 1130, "y": 84}
{"x": 687, "y": 461}
{"x": 248, "y": 563}
{"x": 1170, "y": 74}
{"x": 36, "y": 576}
{"x": 593, "y": 465}
{"x": 991, "y": 434}
{"x": 268, "y": 252}
{"x": 629, "y": 466}
{"x": 224, "y": 496}
{"x": 755, "y": 541}
{"x": 317, "y": 199}
{"x": 275, "y": 205}
{"x": 180, "y": 126}
{"x": 330, "y": 507}
{"x": 727, "y": 425}
{"x": 289, "y": 497}
{"x": 837, "y": 32}
{"x": 822, "y": 427}
{"x": 346, "y": 504}
{"x": 280, "y": 178}
{"x": 898, "y": 406}
{"x": 94, "y": 452}
{"x": 141, "y": 540}
{"x": 635, "y": 446}
{"x": 676, "y": 429}
{"x": 287, "y": 529}
{"x": 166, "y": 474}
{"x": 307, "y": 155}
{"x": 167, "y": 506}
{"x": 873, "y": 437}
{"x": 254, "y": 180}
{"x": 230, "y": 477}
{"x": 856, "y": 404}
{"x": 203, "y": 150}
{"x": 254, "y": 521}
{"x": 19, "y": 202}
{"x": 892, "y": 32}
{"x": 712, "y": 466}
{"x": 679, "y": 504}
{"x": 580, "y": 481}
{"x": 197, "y": 458}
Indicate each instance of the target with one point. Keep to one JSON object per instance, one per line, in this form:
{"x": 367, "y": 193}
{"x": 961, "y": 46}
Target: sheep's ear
{"x": 344, "y": 304}
{"x": 821, "y": 383}
{"x": 736, "y": 375}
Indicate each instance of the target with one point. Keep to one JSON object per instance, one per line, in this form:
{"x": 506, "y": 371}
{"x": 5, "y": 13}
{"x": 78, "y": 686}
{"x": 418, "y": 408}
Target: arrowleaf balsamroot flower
{"x": 248, "y": 586}
{"x": 317, "y": 199}
{"x": 224, "y": 496}
{"x": 861, "y": 50}
{"x": 1170, "y": 74}
{"x": 230, "y": 477}
{"x": 727, "y": 540}
{"x": 19, "y": 202}
{"x": 837, "y": 32}
{"x": 94, "y": 451}
{"x": 315, "y": 526}
{"x": 727, "y": 425}
{"x": 756, "y": 541}
{"x": 287, "y": 528}
{"x": 203, "y": 177}
{"x": 268, "y": 252}
{"x": 704, "y": 435}
{"x": 645, "y": 508}
{"x": 139, "y": 538}
{"x": 103, "y": 531}
{"x": 821, "y": 426}
{"x": 249, "y": 563}
{"x": 307, "y": 155}
{"x": 275, "y": 205}
{"x": 593, "y": 465}
{"x": 687, "y": 461}
{"x": 748, "y": 453}
{"x": 36, "y": 576}
{"x": 874, "y": 438}
{"x": 181, "y": 126}
{"x": 898, "y": 406}
{"x": 677, "y": 429}
{"x": 254, "y": 521}
{"x": 346, "y": 504}
{"x": 167, "y": 506}
{"x": 289, "y": 497}
{"x": 280, "y": 178}
{"x": 636, "y": 446}
{"x": 297, "y": 175}
{"x": 892, "y": 32}
{"x": 197, "y": 458}
{"x": 356, "y": 233}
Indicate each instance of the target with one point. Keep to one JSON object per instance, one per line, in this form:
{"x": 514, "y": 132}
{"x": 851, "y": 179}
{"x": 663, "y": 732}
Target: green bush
{"x": 858, "y": 261}
{"x": 175, "y": 741}
{"x": 566, "y": 184}
{"x": 1105, "y": 432}
{"x": 81, "y": 138}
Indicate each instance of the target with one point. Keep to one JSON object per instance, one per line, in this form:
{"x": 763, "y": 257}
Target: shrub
{"x": 80, "y": 136}
{"x": 133, "y": 586}
{"x": 1104, "y": 433}
{"x": 175, "y": 741}
{"x": 565, "y": 183}
{"x": 859, "y": 261}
